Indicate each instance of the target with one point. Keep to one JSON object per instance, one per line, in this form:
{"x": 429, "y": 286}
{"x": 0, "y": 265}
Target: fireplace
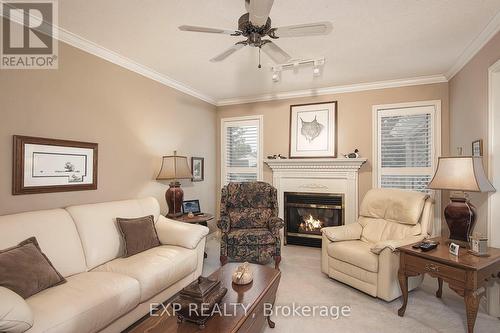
{"x": 306, "y": 213}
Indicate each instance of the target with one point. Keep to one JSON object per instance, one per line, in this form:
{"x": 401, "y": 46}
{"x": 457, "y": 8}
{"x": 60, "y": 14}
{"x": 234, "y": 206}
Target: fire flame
{"x": 311, "y": 224}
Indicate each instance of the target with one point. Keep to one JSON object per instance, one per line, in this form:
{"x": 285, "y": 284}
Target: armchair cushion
{"x": 15, "y": 314}
{"x": 248, "y": 218}
{"x": 250, "y": 237}
{"x": 342, "y": 233}
{"x": 392, "y": 245}
{"x": 394, "y": 205}
{"x": 354, "y": 252}
{"x": 177, "y": 233}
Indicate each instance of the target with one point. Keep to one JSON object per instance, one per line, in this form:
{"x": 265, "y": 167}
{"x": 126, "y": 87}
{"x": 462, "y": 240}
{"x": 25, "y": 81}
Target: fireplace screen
{"x": 307, "y": 213}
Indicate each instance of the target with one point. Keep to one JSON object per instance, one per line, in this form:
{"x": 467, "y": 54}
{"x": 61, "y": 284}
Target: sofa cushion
{"x": 394, "y": 205}
{"x": 55, "y": 232}
{"x": 25, "y": 270}
{"x": 250, "y": 237}
{"x": 139, "y": 234}
{"x": 156, "y": 269}
{"x": 15, "y": 314}
{"x": 88, "y": 302}
{"x": 356, "y": 253}
{"x": 96, "y": 224}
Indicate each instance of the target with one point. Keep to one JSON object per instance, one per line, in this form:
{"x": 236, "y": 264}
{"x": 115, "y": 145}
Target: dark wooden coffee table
{"x": 466, "y": 274}
{"x": 253, "y": 296}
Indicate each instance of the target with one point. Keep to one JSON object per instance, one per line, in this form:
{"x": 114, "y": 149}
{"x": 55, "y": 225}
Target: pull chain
{"x": 259, "y": 57}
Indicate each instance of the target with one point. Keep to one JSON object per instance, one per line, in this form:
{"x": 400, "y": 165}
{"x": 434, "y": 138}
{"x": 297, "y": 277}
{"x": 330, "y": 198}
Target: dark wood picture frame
{"x": 477, "y": 144}
{"x": 18, "y": 164}
{"x": 335, "y": 129}
{"x": 202, "y": 160}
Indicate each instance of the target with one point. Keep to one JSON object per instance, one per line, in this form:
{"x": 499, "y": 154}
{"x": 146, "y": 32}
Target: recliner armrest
{"x": 177, "y": 233}
{"x": 275, "y": 224}
{"x": 394, "y": 244}
{"x": 350, "y": 231}
{"x": 15, "y": 313}
{"x": 223, "y": 224}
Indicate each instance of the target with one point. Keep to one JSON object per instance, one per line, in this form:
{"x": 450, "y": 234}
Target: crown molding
{"x": 491, "y": 29}
{"x": 336, "y": 90}
{"x": 90, "y": 47}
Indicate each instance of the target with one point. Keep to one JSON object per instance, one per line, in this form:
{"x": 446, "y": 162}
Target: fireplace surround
{"x": 306, "y": 213}
{"x": 318, "y": 175}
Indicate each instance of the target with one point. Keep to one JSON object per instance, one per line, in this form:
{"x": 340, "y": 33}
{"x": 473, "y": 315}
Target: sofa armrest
{"x": 182, "y": 234}
{"x": 350, "y": 231}
{"x": 275, "y": 224}
{"x": 392, "y": 245}
{"x": 15, "y": 314}
{"x": 223, "y": 224}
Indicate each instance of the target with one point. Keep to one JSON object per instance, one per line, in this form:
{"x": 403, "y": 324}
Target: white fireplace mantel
{"x": 319, "y": 175}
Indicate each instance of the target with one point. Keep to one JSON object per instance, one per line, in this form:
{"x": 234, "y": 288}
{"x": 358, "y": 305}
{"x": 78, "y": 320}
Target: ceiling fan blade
{"x": 259, "y": 11}
{"x": 228, "y": 52}
{"x": 301, "y": 30}
{"x": 208, "y": 30}
{"x": 275, "y": 52}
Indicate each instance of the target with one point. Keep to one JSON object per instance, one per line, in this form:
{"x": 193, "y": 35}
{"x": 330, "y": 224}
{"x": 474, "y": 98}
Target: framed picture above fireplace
{"x": 313, "y": 130}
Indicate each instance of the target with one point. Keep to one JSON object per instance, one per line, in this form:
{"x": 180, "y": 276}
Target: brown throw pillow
{"x": 25, "y": 270}
{"x": 139, "y": 234}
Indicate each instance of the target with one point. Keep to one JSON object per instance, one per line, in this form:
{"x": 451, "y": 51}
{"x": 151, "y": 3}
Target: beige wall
{"x": 469, "y": 113}
{"x": 354, "y": 121}
{"x": 134, "y": 120}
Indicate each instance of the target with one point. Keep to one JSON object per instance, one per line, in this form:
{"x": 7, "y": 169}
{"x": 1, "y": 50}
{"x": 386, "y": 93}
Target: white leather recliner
{"x": 363, "y": 254}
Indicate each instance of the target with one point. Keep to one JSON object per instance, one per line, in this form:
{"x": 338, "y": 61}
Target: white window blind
{"x": 241, "y": 149}
{"x": 407, "y": 147}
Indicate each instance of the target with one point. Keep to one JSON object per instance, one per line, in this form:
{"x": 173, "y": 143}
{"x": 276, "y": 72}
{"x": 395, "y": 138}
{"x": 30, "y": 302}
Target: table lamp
{"x": 460, "y": 174}
{"x": 173, "y": 168}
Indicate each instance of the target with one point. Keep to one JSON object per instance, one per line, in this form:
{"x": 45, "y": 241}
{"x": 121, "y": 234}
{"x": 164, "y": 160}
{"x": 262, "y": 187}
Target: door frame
{"x": 493, "y": 73}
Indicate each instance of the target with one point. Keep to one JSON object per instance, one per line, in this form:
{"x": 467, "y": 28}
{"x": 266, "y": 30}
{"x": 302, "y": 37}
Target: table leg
{"x": 471, "y": 307}
{"x": 439, "y": 292}
{"x": 403, "y": 284}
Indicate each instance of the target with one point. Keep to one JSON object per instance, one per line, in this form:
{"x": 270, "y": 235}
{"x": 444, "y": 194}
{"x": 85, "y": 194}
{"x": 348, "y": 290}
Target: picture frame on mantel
{"x": 313, "y": 130}
{"x": 42, "y": 165}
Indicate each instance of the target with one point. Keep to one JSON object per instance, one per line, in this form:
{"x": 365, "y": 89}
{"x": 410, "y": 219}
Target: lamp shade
{"x": 174, "y": 167}
{"x": 461, "y": 173}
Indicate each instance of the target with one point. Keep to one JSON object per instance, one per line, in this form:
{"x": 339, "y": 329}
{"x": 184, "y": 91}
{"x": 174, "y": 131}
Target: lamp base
{"x": 460, "y": 216}
{"x": 174, "y": 197}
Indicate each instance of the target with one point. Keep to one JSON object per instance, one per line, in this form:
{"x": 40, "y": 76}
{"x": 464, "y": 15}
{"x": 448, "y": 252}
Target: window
{"x": 241, "y": 147}
{"x": 407, "y": 143}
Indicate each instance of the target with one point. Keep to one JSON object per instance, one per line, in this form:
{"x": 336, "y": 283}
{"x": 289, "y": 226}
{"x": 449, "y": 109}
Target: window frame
{"x": 223, "y": 141}
{"x": 396, "y": 109}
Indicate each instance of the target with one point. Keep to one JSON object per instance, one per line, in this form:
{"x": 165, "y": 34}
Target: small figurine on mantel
{"x": 352, "y": 155}
{"x": 276, "y": 157}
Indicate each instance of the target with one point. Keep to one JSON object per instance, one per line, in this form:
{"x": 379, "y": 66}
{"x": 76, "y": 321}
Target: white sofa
{"x": 104, "y": 292}
{"x": 363, "y": 254}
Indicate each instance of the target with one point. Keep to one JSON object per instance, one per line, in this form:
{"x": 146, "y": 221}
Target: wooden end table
{"x": 466, "y": 274}
{"x": 197, "y": 219}
{"x": 253, "y": 297}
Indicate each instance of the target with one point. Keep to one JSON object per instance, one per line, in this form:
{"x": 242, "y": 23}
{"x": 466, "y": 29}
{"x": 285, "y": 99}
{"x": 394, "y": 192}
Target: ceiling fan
{"x": 255, "y": 25}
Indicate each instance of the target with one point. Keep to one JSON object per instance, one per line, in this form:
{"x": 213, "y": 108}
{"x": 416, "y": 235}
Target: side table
{"x": 466, "y": 274}
{"x": 201, "y": 219}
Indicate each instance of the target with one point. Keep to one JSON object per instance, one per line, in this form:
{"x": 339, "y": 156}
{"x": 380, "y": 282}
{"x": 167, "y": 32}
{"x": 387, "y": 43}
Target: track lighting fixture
{"x": 295, "y": 65}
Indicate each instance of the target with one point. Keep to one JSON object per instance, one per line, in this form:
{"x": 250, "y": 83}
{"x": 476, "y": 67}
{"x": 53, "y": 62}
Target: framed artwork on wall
{"x": 43, "y": 165}
{"x": 198, "y": 169}
{"x": 477, "y": 148}
{"x": 313, "y": 130}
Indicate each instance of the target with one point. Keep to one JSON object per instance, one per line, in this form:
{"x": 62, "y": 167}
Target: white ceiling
{"x": 372, "y": 40}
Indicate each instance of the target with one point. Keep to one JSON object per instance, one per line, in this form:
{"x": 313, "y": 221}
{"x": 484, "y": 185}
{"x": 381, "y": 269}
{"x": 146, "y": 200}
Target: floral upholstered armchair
{"x": 249, "y": 223}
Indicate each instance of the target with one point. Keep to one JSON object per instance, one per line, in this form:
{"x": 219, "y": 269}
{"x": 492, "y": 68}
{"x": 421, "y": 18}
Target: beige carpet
{"x": 303, "y": 283}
